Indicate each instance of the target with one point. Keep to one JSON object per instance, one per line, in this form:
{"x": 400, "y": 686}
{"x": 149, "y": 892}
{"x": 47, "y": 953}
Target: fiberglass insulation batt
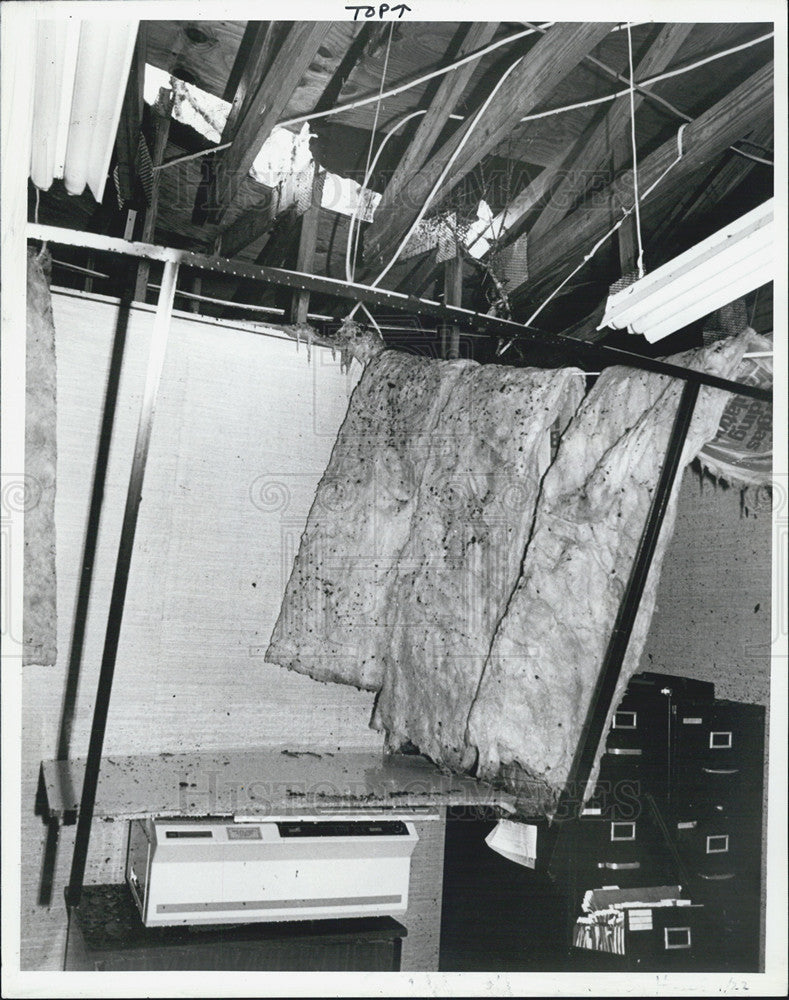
{"x": 431, "y": 455}
{"x": 548, "y": 649}
{"x": 443, "y": 567}
{"x": 472, "y": 517}
{"x": 39, "y": 608}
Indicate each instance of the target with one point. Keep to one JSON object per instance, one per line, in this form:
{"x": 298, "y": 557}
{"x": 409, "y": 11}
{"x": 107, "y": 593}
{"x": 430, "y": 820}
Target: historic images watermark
{"x": 19, "y": 493}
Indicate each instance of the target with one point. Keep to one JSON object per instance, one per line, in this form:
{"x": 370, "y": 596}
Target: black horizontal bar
{"x": 577, "y": 351}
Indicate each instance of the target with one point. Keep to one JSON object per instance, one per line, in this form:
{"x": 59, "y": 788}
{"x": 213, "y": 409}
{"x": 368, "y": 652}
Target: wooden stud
{"x": 307, "y": 239}
{"x": 531, "y": 82}
{"x": 162, "y": 112}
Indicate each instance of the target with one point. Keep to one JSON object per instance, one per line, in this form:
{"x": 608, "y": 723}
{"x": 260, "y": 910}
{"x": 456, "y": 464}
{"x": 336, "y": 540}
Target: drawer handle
{"x": 624, "y": 752}
{"x": 623, "y": 831}
{"x": 721, "y": 770}
{"x": 625, "y": 720}
{"x": 619, "y": 865}
{"x": 715, "y": 878}
{"x": 676, "y": 937}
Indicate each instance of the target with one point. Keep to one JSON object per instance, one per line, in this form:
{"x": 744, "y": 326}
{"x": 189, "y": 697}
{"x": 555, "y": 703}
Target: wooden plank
{"x": 258, "y": 48}
{"x": 199, "y": 52}
{"x": 162, "y": 114}
{"x": 551, "y": 58}
{"x": 602, "y": 135}
{"x": 308, "y": 237}
{"x": 266, "y": 106}
{"x": 430, "y": 127}
{"x": 703, "y": 139}
{"x": 128, "y": 135}
{"x": 269, "y": 781}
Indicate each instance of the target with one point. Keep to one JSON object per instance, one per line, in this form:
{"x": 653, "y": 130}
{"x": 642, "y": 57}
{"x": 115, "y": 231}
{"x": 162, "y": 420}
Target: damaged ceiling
{"x": 523, "y": 143}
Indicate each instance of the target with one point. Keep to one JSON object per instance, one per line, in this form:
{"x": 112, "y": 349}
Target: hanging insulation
{"x": 39, "y": 620}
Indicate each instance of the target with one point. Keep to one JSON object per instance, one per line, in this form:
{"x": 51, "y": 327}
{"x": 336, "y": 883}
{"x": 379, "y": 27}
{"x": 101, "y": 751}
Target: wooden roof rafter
{"x": 597, "y": 143}
{"x": 703, "y": 139}
{"x": 264, "y": 109}
{"x": 550, "y": 59}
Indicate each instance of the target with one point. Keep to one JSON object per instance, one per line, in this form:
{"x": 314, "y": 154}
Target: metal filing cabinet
{"x": 680, "y": 801}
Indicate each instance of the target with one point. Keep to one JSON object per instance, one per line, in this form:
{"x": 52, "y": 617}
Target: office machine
{"x": 217, "y": 871}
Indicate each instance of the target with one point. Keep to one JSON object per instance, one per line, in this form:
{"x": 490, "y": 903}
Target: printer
{"x": 219, "y": 871}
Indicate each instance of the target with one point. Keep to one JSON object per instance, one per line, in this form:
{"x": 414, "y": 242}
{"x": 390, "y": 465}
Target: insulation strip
{"x": 40, "y": 582}
{"x": 529, "y": 714}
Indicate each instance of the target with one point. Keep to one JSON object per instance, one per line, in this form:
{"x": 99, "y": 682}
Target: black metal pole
{"x": 569, "y": 802}
{"x": 156, "y": 354}
{"x": 577, "y": 351}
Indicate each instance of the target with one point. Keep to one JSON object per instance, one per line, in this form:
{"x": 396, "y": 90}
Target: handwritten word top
{"x": 379, "y": 10}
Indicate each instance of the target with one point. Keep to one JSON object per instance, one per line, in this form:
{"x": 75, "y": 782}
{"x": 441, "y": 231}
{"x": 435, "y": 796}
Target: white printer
{"x": 215, "y": 871}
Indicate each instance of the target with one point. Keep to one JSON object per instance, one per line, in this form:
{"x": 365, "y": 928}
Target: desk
{"x": 107, "y": 935}
{"x": 278, "y": 781}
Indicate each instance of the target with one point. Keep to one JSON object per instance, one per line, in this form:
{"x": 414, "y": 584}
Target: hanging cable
{"x": 401, "y": 88}
{"x": 639, "y": 84}
{"x": 350, "y": 265}
{"x": 362, "y": 191}
{"x": 611, "y": 231}
{"x": 640, "y": 261}
{"x": 447, "y": 166}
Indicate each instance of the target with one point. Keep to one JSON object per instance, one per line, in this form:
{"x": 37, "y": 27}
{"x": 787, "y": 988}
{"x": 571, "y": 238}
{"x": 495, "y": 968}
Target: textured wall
{"x": 712, "y": 619}
{"x": 243, "y": 431}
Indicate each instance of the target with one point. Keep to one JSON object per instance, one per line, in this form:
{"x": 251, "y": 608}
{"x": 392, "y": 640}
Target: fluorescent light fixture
{"x": 81, "y": 74}
{"x": 732, "y": 262}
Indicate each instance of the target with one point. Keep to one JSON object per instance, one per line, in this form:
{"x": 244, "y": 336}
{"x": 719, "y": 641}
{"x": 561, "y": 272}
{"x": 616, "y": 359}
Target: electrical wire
{"x": 454, "y": 155}
{"x": 649, "y": 81}
{"x": 640, "y": 260}
{"x": 363, "y": 189}
{"x": 401, "y": 88}
{"x": 639, "y": 84}
{"x": 611, "y": 231}
{"x": 350, "y": 265}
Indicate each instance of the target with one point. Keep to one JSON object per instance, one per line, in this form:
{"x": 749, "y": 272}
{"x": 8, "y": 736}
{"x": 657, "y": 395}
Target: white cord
{"x": 362, "y": 101}
{"x": 352, "y": 269}
{"x": 366, "y": 181}
{"x": 612, "y": 230}
{"x": 640, "y": 261}
{"x": 527, "y": 118}
{"x": 454, "y": 155}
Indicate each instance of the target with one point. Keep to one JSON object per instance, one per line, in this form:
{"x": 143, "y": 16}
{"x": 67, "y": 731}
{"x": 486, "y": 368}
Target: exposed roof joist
{"x": 598, "y": 142}
{"x": 536, "y": 75}
{"x": 702, "y": 139}
{"x": 264, "y": 108}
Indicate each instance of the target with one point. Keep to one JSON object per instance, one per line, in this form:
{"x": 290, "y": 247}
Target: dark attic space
{"x": 400, "y": 498}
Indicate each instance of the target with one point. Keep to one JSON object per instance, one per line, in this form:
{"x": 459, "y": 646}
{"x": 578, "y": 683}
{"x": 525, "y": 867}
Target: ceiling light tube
{"x": 730, "y": 263}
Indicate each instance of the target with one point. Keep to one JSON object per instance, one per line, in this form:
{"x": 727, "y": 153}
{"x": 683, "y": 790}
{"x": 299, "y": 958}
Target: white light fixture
{"x": 81, "y": 74}
{"x": 730, "y": 263}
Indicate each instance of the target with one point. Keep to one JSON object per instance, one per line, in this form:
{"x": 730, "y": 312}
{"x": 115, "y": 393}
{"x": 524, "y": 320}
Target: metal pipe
{"x": 578, "y": 351}
{"x": 156, "y": 353}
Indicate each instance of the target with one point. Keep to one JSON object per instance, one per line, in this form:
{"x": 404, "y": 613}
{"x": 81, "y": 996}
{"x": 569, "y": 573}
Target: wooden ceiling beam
{"x": 265, "y": 108}
{"x": 551, "y": 58}
{"x": 128, "y": 135}
{"x": 253, "y": 61}
{"x": 432, "y": 124}
{"x": 577, "y": 172}
{"x": 703, "y": 139}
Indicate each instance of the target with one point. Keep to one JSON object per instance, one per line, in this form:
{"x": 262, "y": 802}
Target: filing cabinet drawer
{"x": 665, "y": 937}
